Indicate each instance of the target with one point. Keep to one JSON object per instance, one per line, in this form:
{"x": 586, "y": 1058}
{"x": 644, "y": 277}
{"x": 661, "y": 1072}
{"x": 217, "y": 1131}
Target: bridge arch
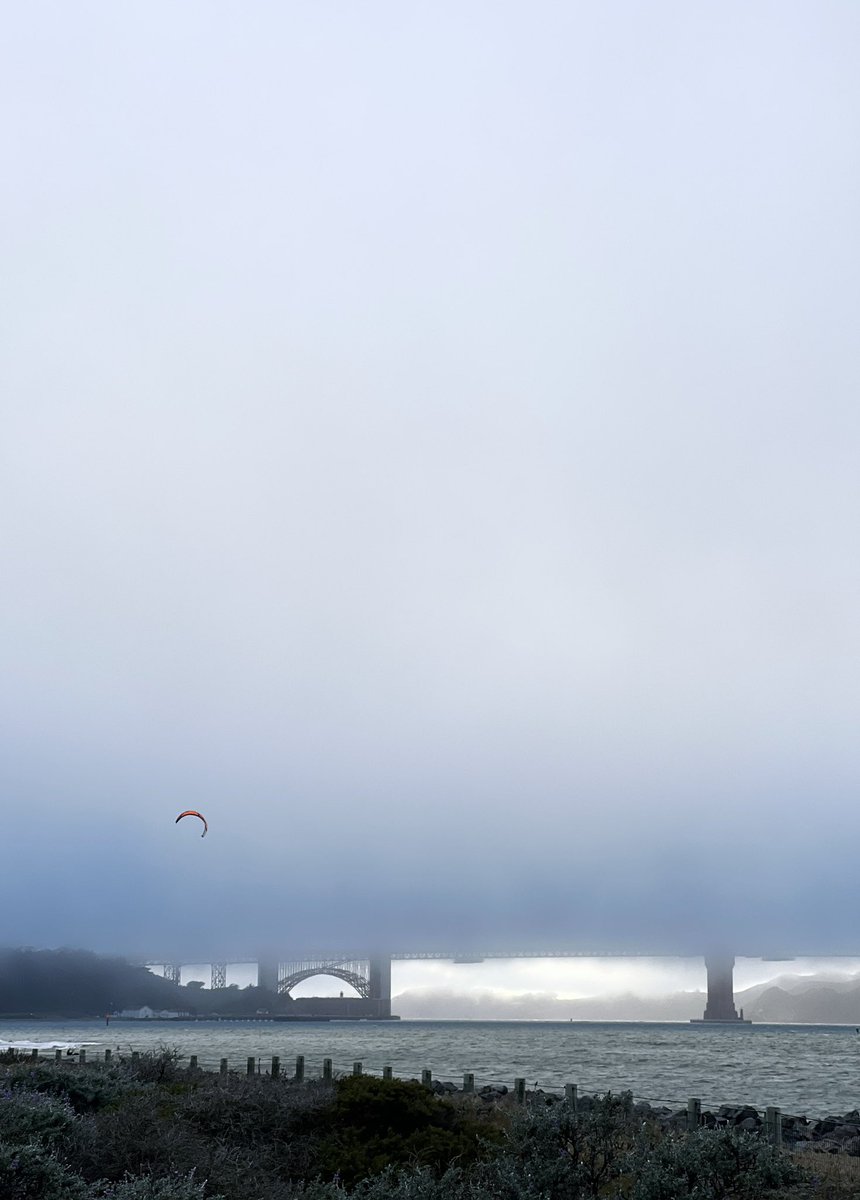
{"x": 354, "y": 980}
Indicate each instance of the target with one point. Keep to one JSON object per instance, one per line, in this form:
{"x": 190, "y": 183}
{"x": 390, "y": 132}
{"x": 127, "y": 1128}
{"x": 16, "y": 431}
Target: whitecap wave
{"x": 24, "y": 1045}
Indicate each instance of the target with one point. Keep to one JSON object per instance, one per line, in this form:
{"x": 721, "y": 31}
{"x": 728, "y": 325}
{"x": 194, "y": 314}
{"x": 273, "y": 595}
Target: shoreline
{"x": 312, "y": 1018}
{"x": 830, "y": 1133}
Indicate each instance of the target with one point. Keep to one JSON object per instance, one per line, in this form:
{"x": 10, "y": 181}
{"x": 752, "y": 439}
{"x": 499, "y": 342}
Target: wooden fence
{"x": 253, "y": 1066}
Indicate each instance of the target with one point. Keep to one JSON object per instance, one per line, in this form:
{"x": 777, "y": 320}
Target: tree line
{"x": 80, "y": 983}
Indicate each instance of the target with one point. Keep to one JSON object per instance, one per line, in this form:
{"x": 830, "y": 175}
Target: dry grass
{"x": 829, "y": 1176}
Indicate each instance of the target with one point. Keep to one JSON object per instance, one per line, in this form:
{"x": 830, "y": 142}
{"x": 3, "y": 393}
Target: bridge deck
{"x": 477, "y": 956}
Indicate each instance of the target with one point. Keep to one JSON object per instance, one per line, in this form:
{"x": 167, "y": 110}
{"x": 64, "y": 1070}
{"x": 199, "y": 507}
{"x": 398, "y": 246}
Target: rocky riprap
{"x": 827, "y": 1135}
{"x": 832, "y": 1134}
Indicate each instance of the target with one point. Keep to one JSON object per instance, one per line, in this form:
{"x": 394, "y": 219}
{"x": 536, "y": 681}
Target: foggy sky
{"x": 429, "y": 446}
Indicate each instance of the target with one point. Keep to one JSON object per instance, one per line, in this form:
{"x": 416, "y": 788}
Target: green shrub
{"x": 723, "y": 1164}
{"x": 375, "y": 1123}
{"x": 33, "y": 1116}
{"x": 238, "y": 1135}
{"x": 86, "y": 1088}
{"x": 420, "y": 1183}
{"x": 250, "y": 1110}
{"x": 548, "y": 1154}
{"x": 30, "y": 1172}
{"x": 157, "y": 1132}
{"x": 162, "y": 1065}
{"x": 14, "y": 1056}
{"x": 146, "y": 1187}
{"x": 256, "y": 1127}
{"x": 140, "y": 1137}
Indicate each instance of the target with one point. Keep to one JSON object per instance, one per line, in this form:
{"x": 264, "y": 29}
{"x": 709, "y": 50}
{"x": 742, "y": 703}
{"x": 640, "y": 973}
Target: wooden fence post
{"x": 108, "y": 1057}
{"x": 82, "y": 1057}
{"x": 300, "y": 1068}
{"x": 252, "y": 1066}
{"x": 356, "y": 1068}
{"x": 192, "y": 1063}
{"x": 327, "y": 1069}
{"x": 694, "y": 1114}
{"x": 469, "y": 1082}
{"x": 773, "y": 1125}
{"x": 223, "y": 1067}
{"x": 276, "y": 1066}
{"x": 427, "y": 1077}
{"x": 58, "y": 1056}
{"x": 520, "y": 1090}
{"x": 387, "y": 1073}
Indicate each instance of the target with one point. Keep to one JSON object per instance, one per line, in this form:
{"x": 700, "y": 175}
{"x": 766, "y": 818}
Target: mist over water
{"x": 429, "y": 449}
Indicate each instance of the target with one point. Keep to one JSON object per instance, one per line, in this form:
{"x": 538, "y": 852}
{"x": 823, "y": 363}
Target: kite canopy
{"x": 192, "y": 812}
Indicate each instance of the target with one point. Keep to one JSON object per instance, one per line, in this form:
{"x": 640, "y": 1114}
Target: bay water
{"x": 809, "y": 1069}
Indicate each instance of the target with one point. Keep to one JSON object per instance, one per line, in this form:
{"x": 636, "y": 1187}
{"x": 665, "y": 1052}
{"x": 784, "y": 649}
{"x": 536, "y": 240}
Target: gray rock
{"x": 747, "y": 1114}
{"x": 842, "y": 1132}
{"x": 749, "y": 1124}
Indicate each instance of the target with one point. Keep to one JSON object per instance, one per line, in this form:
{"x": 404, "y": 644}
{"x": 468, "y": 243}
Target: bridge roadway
{"x": 369, "y": 974}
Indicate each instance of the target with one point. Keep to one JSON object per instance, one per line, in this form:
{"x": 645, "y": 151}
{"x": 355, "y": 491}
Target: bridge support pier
{"x": 173, "y": 972}
{"x": 218, "y": 975}
{"x": 268, "y": 971}
{"x": 379, "y": 979}
{"x": 721, "y": 998}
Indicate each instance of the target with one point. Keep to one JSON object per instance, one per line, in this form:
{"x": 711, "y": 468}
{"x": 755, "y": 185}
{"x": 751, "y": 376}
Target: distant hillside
{"x": 825, "y": 999}
{"x": 78, "y": 983}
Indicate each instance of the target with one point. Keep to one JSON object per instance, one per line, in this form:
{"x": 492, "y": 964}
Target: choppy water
{"x": 812, "y": 1069}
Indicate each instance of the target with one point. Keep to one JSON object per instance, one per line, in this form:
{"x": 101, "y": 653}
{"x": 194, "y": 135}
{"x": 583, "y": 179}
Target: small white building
{"x": 145, "y": 1013}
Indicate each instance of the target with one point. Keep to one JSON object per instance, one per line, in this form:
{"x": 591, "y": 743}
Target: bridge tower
{"x": 379, "y": 979}
{"x": 721, "y": 997}
{"x": 268, "y": 974}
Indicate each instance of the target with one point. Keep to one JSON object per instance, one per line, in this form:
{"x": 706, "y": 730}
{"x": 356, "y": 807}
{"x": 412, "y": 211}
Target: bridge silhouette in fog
{"x": 369, "y": 976}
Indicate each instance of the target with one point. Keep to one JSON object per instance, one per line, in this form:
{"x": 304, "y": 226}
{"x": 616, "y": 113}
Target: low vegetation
{"x": 153, "y": 1130}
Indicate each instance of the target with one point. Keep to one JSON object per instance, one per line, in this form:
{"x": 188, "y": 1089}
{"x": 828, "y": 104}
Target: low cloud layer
{"x": 429, "y": 448}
